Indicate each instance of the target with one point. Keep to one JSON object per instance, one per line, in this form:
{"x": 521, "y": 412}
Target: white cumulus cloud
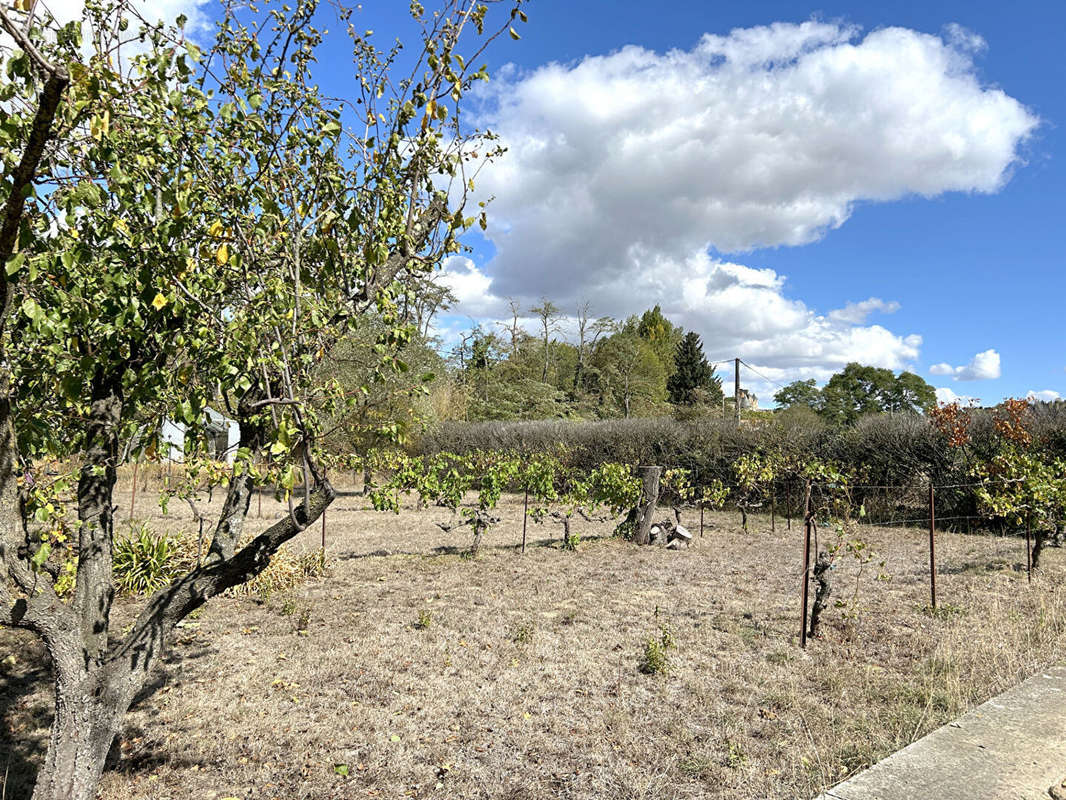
{"x": 1045, "y": 396}
{"x": 626, "y": 173}
{"x": 983, "y": 366}
{"x": 856, "y": 313}
{"x": 946, "y": 395}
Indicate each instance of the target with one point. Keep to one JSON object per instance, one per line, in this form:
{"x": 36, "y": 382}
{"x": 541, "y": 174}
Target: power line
{"x": 775, "y": 384}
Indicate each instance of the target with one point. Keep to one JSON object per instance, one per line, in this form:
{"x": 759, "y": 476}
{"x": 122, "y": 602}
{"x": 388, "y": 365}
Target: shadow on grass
{"x": 21, "y": 718}
{"x": 980, "y": 567}
{"x": 26, "y": 710}
{"x": 464, "y": 549}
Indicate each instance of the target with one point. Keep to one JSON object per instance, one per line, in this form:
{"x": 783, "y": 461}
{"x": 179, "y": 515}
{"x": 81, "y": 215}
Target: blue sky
{"x": 880, "y": 182}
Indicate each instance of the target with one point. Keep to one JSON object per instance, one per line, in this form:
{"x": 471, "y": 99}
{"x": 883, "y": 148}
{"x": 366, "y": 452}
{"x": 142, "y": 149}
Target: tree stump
{"x": 649, "y": 499}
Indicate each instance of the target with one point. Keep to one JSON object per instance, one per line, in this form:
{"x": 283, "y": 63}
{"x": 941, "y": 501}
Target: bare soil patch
{"x": 412, "y": 671}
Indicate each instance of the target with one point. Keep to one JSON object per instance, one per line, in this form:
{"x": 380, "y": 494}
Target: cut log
{"x": 655, "y": 535}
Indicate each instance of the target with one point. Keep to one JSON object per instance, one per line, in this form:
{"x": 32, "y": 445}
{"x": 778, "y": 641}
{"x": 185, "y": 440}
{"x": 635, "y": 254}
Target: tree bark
{"x": 649, "y": 499}
{"x": 87, "y": 719}
{"x": 94, "y": 592}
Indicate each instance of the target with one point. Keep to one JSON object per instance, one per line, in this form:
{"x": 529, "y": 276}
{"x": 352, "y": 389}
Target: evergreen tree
{"x": 693, "y": 380}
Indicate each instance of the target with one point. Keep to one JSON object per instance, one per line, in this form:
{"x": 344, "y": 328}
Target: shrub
{"x": 899, "y": 450}
{"x": 145, "y": 562}
{"x": 656, "y": 660}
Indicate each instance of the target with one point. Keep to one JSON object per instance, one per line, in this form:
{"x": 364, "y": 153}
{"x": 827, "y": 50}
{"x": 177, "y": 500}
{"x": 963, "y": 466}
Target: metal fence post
{"x": 932, "y": 546}
{"x": 806, "y": 565}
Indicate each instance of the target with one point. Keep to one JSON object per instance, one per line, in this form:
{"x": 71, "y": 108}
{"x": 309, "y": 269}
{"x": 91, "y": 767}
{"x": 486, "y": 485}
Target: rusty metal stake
{"x": 773, "y": 513}
{"x": 806, "y": 566}
{"x": 525, "y": 520}
{"x": 932, "y": 546}
{"x": 1028, "y": 551}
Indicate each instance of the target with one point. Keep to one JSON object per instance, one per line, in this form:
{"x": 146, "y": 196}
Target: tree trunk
{"x": 94, "y": 593}
{"x": 1039, "y": 540}
{"x": 567, "y": 543}
{"x": 479, "y": 531}
{"x": 87, "y": 719}
{"x": 649, "y": 499}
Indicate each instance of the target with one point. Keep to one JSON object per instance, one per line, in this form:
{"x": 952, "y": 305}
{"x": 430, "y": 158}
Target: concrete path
{"x": 1011, "y": 748}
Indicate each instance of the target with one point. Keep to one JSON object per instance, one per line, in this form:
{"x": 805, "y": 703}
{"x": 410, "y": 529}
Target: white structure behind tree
{"x": 223, "y": 436}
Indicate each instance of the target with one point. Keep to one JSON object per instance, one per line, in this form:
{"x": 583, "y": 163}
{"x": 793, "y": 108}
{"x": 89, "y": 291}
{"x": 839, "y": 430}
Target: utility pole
{"x": 736, "y": 392}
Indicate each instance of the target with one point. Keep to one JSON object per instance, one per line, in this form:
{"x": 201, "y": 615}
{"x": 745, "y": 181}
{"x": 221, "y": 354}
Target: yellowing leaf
{"x": 216, "y": 229}
{"x": 222, "y": 255}
{"x": 99, "y": 126}
{"x": 159, "y": 301}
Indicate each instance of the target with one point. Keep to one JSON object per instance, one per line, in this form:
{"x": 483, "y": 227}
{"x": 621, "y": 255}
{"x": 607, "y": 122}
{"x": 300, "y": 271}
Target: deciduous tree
{"x": 212, "y": 226}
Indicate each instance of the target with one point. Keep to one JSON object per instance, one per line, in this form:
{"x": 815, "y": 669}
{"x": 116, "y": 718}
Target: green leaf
{"x": 33, "y": 311}
{"x": 14, "y": 264}
{"x": 41, "y": 556}
{"x": 341, "y": 769}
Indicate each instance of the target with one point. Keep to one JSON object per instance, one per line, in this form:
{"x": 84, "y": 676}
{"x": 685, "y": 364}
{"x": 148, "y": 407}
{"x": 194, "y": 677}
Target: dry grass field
{"x": 412, "y": 671}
